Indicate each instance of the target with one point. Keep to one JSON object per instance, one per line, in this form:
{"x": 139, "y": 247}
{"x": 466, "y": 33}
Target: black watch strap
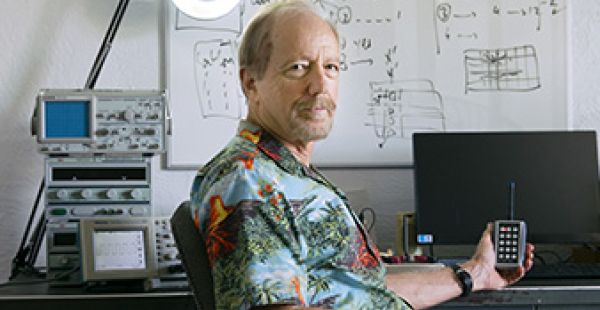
{"x": 464, "y": 279}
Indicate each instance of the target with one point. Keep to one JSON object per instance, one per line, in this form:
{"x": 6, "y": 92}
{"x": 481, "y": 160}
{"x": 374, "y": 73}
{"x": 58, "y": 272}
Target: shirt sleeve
{"x": 247, "y": 226}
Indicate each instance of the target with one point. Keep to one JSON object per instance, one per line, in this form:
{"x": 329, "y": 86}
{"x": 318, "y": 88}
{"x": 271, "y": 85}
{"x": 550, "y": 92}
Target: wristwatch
{"x": 464, "y": 279}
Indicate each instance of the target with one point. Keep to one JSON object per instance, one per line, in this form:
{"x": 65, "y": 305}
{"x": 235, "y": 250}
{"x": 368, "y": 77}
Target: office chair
{"x": 190, "y": 244}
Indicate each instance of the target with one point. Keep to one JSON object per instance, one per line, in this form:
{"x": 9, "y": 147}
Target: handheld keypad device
{"x": 509, "y": 243}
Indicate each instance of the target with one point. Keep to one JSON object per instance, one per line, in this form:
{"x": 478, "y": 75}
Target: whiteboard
{"x": 407, "y": 66}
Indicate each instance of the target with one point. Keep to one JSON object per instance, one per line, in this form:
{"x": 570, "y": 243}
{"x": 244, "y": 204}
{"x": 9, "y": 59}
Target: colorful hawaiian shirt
{"x": 277, "y": 232}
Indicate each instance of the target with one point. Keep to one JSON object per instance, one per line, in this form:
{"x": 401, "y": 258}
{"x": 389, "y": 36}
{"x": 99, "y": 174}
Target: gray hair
{"x": 257, "y": 45}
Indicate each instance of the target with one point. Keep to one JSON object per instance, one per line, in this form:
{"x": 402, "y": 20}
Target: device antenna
{"x": 511, "y": 199}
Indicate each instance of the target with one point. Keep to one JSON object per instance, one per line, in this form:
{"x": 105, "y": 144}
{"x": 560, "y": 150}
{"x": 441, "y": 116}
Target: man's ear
{"x": 248, "y": 81}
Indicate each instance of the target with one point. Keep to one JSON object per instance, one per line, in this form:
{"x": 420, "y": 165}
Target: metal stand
{"x": 106, "y": 44}
{"x": 26, "y": 255}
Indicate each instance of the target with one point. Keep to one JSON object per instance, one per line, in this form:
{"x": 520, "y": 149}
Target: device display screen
{"x": 67, "y": 119}
{"x": 98, "y": 174}
{"x": 65, "y": 239}
{"x": 462, "y": 182}
{"x": 119, "y": 250}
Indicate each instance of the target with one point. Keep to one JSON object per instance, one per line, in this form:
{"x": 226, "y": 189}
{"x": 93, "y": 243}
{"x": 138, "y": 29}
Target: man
{"x": 278, "y": 234}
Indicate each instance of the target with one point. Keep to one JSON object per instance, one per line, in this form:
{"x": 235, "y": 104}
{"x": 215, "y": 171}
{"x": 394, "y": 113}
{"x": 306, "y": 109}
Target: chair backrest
{"x": 190, "y": 244}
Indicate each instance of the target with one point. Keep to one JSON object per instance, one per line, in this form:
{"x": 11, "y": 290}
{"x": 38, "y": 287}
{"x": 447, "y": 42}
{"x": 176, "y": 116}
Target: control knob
{"x": 169, "y": 256}
{"x": 87, "y": 193}
{"x": 112, "y": 193}
{"x": 62, "y": 194}
{"x": 137, "y": 194}
{"x": 129, "y": 115}
{"x": 102, "y": 132}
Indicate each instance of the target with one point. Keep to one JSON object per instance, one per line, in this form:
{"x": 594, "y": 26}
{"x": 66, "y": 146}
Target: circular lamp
{"x": 205, "y": 9}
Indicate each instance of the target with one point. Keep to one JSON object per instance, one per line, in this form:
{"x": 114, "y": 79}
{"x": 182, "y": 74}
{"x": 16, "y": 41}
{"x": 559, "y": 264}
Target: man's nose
{"x": 317, "y": 81}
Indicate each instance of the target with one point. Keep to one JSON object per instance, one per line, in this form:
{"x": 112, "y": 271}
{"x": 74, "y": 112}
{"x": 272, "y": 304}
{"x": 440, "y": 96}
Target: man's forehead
{"x": 299, "y": 20}
{"x": 292, "y": 29}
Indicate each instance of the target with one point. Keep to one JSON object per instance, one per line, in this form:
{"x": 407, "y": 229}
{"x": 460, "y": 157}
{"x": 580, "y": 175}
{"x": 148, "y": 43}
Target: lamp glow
{"x": 205, "y": 9}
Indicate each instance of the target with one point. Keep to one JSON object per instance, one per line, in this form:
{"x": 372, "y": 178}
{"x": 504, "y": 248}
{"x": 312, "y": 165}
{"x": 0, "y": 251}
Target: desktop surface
{"x": 42, "y": 296}
{"x": 551, "y": 294}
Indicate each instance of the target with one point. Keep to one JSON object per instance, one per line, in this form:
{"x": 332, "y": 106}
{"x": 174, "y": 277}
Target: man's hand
{"x": 426, "y": 289}
{"x": 482, "y": 265}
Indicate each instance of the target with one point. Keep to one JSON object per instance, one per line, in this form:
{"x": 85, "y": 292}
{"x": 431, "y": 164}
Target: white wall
{"x": 585, "y": 58}
{"x": 53, "y": 43}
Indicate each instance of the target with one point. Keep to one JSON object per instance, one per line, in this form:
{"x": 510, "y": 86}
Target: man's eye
{"x": 333, "y": 70}
{"x": 297, "y": 70}
{"x": 296, "y": 67}
{"x": 332, "y": 67}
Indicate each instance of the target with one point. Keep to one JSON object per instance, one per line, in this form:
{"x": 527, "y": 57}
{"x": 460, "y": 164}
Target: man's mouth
{"x": 315, "y": 113}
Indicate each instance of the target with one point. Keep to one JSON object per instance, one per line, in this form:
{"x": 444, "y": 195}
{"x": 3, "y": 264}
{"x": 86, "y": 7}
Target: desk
{"x": 576, "y": 294}
{"x": 39, "y": 296}
{"x": 531, "y": 298}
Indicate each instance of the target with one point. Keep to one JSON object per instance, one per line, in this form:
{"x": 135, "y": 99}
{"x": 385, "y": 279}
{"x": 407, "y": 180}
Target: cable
{"x": 39, "y": 233}
{"x": 405, "y": 234}
{"x": 539, "y": 255}
{"x": 58, "y": 277}
{"x": 431, "y": 251}
{"x": 27, "y": 253}
{"x": 593, "y": 247}
{"x": 540, "y": 258}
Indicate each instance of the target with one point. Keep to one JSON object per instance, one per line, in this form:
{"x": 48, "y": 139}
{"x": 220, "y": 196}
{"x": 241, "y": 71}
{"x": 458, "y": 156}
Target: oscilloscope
{"x": 83, "y": 121}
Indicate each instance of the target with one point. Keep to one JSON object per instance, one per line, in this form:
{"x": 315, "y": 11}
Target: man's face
{"x": 296, "y": 98}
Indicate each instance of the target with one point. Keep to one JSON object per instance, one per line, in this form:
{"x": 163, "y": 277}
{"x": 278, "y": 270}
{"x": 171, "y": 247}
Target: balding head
{"x": 257, "y": 41}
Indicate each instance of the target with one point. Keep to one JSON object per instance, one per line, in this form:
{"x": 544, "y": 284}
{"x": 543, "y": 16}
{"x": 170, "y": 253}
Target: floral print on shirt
{"x": 278, "y": 232}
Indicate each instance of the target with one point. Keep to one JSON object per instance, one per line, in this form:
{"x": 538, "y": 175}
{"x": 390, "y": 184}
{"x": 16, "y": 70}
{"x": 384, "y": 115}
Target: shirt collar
{"x": 274, "y": 149}
{"x": 271, "y": 147}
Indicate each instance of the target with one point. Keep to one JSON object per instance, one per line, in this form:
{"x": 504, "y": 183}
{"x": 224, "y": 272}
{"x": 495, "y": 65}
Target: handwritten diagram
{"x": 215, "y": 69}
{"x": 407, "y": 66}
{"x": 342, "y": 14}
{"x": 459, "y": 20}
{"x": 398, "y": 109}
{"x": 338, "y": 14}
{"x": 360, "y": 47}
{"x": 508, "y": 69}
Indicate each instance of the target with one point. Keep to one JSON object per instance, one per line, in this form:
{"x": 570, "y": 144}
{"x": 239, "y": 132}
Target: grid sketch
{"x": 507, "y": 69}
